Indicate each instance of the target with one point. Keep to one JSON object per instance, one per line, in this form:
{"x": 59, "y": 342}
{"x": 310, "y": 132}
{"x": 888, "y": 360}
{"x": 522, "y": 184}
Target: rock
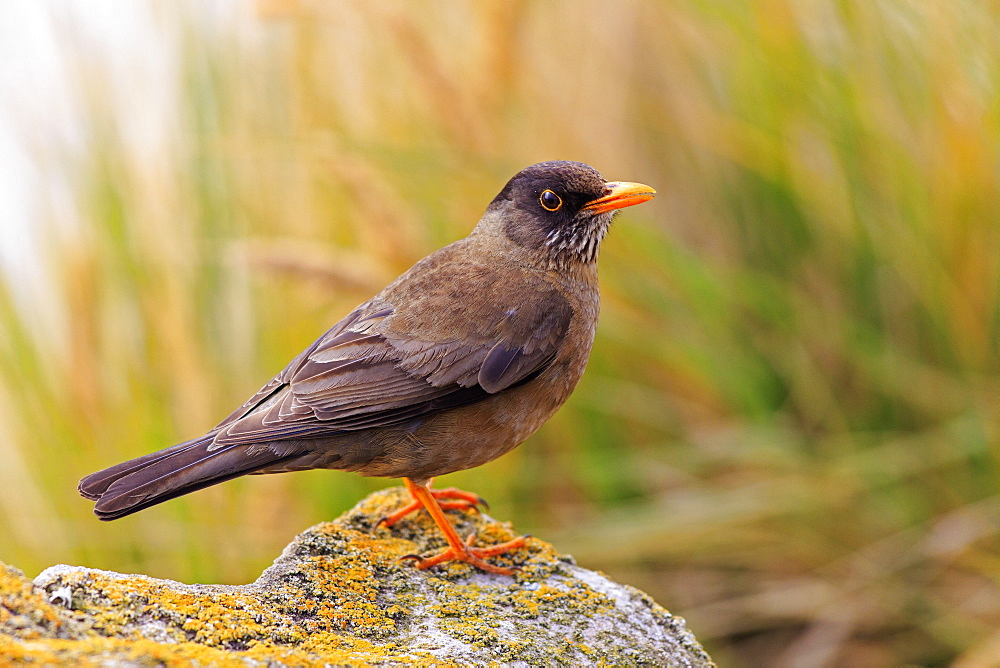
{"x": 340, "y": 595}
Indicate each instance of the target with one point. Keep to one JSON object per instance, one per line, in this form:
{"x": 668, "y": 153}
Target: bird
{"x": 453, "y": 364}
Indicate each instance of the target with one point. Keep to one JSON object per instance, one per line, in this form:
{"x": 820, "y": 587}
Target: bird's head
{"x": 561, "y": 208}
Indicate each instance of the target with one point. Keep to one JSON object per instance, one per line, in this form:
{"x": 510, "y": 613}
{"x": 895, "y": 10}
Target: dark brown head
{"x": 562, "y": 207}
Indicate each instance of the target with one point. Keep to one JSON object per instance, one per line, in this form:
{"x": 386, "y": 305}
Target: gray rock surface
{"x": 340, "y": 595}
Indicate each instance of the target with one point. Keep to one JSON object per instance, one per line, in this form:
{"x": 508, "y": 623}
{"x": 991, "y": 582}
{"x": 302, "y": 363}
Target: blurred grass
{"x": 788, "y": 432}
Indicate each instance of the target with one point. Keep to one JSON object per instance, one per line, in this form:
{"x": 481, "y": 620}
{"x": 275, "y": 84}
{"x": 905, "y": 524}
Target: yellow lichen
{"x": 339, "y": 595}
{"x": 18, "y": 599}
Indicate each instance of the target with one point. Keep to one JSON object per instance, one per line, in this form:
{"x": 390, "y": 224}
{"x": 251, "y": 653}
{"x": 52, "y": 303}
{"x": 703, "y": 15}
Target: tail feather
{"x": 96, "y": 484}
{"x": 140, "y": 483}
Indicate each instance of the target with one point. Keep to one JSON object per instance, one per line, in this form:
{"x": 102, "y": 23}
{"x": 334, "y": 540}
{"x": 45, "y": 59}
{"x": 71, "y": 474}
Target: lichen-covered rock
{"x": 340, "y": 595}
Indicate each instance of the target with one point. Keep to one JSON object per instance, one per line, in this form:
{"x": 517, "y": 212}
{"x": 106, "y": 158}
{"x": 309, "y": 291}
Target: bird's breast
{"x": 472, "y": 435}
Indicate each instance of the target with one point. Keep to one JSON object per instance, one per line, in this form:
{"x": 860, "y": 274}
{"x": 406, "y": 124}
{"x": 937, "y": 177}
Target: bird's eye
{"x": 550, "y": 201}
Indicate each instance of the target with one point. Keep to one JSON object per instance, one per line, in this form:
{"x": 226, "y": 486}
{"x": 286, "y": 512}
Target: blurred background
{"x": 789, "y": 432}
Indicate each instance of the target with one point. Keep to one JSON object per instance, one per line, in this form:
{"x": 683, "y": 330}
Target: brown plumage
{"x": 453, "y": 364}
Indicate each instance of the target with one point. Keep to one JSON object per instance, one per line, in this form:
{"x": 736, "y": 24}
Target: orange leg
{"x": 457, "y": 550}
{"x": 464, "y": 501}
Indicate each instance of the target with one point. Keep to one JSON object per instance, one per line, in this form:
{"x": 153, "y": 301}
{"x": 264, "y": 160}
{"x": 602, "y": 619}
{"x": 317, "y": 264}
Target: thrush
{"x": 453, "y": 364}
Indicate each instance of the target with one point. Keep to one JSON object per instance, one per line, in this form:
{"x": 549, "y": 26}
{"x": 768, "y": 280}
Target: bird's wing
{"x": 408, "y": 353}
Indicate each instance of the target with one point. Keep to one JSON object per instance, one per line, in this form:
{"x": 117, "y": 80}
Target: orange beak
{"x": 620, "y": 194}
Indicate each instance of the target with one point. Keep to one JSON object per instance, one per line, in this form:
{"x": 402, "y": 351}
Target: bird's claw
{"x": 458, "y": 500}
{"x": 462, "y": 499}
{"x": 475, "y": 556}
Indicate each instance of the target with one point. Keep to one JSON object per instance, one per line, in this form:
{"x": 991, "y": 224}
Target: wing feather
{"x": 385, "y": 365}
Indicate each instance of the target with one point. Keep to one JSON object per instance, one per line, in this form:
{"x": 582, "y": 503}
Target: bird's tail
{"x": 154, "y": 478}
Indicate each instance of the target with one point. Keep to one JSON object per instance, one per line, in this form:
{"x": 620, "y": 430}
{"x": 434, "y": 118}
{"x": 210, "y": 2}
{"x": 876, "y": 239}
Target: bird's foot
{"x": 472, "y": 555}
{"x": 457, "y": 500}
{"x": 457, "y": 550}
